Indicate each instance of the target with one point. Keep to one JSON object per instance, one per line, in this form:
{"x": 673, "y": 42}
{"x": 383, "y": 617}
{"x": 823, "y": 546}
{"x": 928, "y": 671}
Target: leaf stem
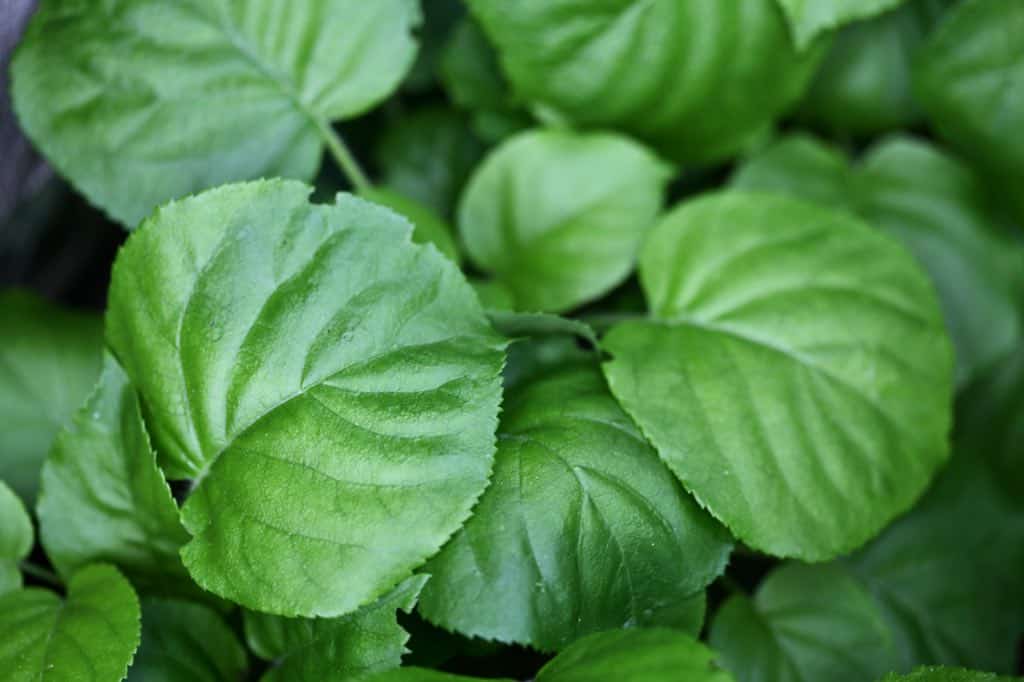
{"x": 346, "y": 161}
{"x": 40, "y": 573}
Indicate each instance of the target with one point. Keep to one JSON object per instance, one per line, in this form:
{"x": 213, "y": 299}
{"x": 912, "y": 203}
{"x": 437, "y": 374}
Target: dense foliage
{"x": 560, "y": 340}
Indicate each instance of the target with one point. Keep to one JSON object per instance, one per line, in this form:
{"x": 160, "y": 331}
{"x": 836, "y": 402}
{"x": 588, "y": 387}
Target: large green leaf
{"x": 326, "y": 649}
{"x": 796, "y": 377}
{"x": 804, "y": 623}
{"x": 103, "y": 498}
{"x": 331, "y": 388}
{"x": 810, "y": 18}
{"x": 49, "y": 361}
{"x": 141, "y": 101}
{"x": 582, "y": 528}
{"x": 15, "y": 538}
{"x": 92, "y": 635}
{"x": 185, "y": 642}
{"x": 694, "y": 78}
{"x": 970, "y": 79}
{"x": 937, "y": 674}
{"x": 558, "y": 216}
{"x": 933, "y": 204}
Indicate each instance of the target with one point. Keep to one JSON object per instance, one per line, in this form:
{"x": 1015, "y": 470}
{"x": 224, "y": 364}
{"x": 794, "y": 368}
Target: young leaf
{"x": 49, "y": 361}
{"x": 427, "y": 227}
{"x": 142, "y": 101}
{"x": 654, "y": 655}
{"x": 92, "y": 635}
{"x": 805, "y": 623}
{"x": 103, "y": 497}
{"x": 686, "y": 76}
{"x": 186, "y": 642}
{"x": 797, "y": 377}
{"x": 557, "y": 217}
{"x": 810, "y": 18}
{"x": 318, "y": 650}
{"x": 15, "y": 538}
{"x": 933, "y": 204}
{"x": 331, "y": 389}
{"x": 937, "y": 674}
{"x": 582, "y": 528}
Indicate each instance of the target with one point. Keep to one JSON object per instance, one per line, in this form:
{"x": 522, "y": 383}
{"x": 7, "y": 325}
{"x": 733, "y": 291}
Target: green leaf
{"x": 804, "y": 623}
{"x": 423, "y": 675}
{"x": 494, "y": 296}
{"x": 92, "y": 635}
{"x": 320, "y": 650}
{"x": 142, "y": 101}
{"x": 653, "y": 655}
{"x": 103, "y": 497}
{"x": 331, "y": 388}
{"x": 936, "y": 674}
{"x": 428, "y": 228}
{"x": 427, "y": 156}
{"x": 521, "y": 326}
{"x": 970, "y": 80}
{"x": 557, "y": 217}
{"x": 797, "y": 377}
{"x": 687, "y": 77}
{"x": 865, "y": 83}
{"x": 810, "y": 18}
{"x": 539, "y": 356}
{"x": 933, "y": 204}
{"x": 15, "y": 538}
{"x": 582, "y": 528}
{"x": 49, "y": 361}
{"x": 185, "y": 642}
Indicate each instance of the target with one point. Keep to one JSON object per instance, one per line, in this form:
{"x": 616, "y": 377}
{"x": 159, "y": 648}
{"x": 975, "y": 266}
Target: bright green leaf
{"x": 810, "y": 18}
{"x": 696, "y": 79}
{"x": 557, "y": 217}
{"x": 142, "y": 101}
{"x": 49, "y": 361}
{"x": 936, "y": 674}
{"x": 797, "y": 377}
{"x": 92, "y": 635}
{"x": 103, "y": 498}
{"x": 804, "y": 623}
{"x": 15, "y": 538}
{"x": 185, "y": 642}
{"x": 428, "y": 228}
{"x": 582, "y": 528}
{"x": 933, "y": 204}
{"x": 331, "y": 388}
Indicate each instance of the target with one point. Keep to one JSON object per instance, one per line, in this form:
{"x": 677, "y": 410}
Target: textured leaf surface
{"x": 89, "y": 637}
{"x": 938, "y": 674}
{"x": 804, "y": 623}
{"x": 15, "y": 538}
{"x": 332, "y": 388}
{"x": 324, "y": 649}
{"x": 49, "y": 361}
{"x": 185, "y": 642}
{"x": 933, "y": 204}
{"x": 582, "y": 528}
{"x": 557, "y": 217}
{"x": 141, "y": 101}
{"x": 686, "y": 76}
{"x": 653, "y": 655}
{"x": 103, "y": 497}
{"x": 797, "y": 377}
{"x": 428, "y": 228}
{"x": 810, "y": 18}
{"x": 970, "y": 80}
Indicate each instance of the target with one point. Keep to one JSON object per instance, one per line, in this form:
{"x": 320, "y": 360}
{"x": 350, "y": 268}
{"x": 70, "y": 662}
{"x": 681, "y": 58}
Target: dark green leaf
{"x": 15, "y": 538}
{"x": 810, "y": 18}
{"x": 947, "y": 675}
{"x": 521, "y": 326}
{"x": 423, "y": 675}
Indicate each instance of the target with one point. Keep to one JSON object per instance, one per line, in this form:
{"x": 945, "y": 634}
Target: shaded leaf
{"x": 15, "y": 538}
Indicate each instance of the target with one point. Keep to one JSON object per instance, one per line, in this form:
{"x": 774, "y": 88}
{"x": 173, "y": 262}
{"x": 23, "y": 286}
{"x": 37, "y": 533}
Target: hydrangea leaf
{"x": 91, "y": 635}
{"x": 791, "y": 350}
{"x": 331, "y": 389}
{"x": 938, "y": 208}
{"x": 810, "y": 18}
{"x": 685, "y": 76}
{"x": 186, "y": 642}
{"x": 49, "y": 361}
{"x": 103, "y": 497}
{"x": 582, "y": 528}
{"x": 142, "y": 101}
{"x": 325, "y": 649}
{"x": 557, "y": 217}
{"x": 15, "y": 538}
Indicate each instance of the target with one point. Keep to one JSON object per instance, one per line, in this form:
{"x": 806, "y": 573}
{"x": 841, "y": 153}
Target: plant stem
{"x": 346, "y": 161}
{"x": 40, "y": 573}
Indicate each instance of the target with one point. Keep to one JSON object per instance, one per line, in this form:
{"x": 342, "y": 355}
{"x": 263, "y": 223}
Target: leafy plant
{"x": 567, "y": 366}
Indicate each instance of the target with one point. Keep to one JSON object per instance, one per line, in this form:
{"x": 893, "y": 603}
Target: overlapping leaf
{"x": 810, "y": 18}
{"x": 15, "y": 538}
